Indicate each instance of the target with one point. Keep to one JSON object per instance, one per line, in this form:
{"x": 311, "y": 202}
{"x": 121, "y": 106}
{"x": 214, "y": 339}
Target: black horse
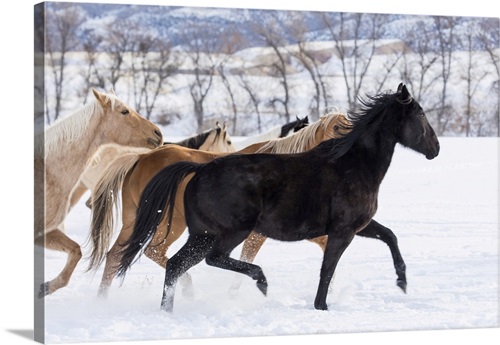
{"x": 293, "y": 126}
{"x": 330, "y": 190}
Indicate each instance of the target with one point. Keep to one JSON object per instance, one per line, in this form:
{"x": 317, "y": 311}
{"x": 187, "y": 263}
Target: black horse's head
{"x": 294, "y": 126}
{"x": 415, "y": 132}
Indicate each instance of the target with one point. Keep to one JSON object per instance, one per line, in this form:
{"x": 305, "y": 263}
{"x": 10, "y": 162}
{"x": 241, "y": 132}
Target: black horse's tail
{"x": 162, "y": 189}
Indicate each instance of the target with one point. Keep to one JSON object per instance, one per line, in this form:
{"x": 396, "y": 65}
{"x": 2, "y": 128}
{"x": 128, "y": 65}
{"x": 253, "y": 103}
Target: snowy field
{"x": 444, "y": 212}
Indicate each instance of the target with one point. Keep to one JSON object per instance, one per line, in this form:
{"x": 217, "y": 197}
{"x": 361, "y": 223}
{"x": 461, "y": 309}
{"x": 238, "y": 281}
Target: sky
{"x": 16, "y": 18}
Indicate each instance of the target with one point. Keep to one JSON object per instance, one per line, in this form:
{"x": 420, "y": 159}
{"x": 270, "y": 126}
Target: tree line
{"x": 450, "y": 65}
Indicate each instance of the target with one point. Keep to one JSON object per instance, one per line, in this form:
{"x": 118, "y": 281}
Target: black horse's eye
{"x": 125, "y": 112}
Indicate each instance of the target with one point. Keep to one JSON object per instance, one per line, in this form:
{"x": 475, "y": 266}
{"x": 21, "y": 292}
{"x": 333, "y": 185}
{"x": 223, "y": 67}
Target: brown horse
{"x": 215, "y": 139}
{"x": 132, "y": 172}
{"x": 61, "y": 154}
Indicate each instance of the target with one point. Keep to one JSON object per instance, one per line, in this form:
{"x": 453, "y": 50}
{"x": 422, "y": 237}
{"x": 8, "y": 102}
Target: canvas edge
{"x": 39, "y": 198}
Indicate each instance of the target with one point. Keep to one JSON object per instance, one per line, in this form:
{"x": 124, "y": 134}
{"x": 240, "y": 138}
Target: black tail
{"x": 161, "y": 190}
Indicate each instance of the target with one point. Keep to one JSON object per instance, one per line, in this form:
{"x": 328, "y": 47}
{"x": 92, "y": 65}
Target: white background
{"x": 17, "y": 167}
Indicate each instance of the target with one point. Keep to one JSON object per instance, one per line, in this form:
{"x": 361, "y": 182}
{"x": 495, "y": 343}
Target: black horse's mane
{"x": 370, "y": 109}
{"x": 196, "y": 141}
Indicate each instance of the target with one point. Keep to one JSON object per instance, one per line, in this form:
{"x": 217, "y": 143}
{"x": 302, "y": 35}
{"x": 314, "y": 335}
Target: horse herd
{"x": 317, "y": 181}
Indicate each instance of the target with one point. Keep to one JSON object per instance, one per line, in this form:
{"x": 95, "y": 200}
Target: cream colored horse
{"x": 61, "y": 154}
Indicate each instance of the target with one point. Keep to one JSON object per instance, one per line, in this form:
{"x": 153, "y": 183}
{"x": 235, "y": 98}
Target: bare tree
{"x": 201, "y": 43}
{"x": 472, "y": 79}
{"x": 117, "y": 43}
{"x": 418, "y": 68}
{"x": 272, "y": 36}
{"x": 231, "y": 43}
{"x": 254, "y": 98}
{"x": 356, "y": 37}
{"x": 91, "y": 75}
{"x": 446, "y": 37}
{"x": 489, "y": 38}
{"x": 63, "y": 21}
{"x": 152, "y": 64}
{"x": 311, "y": 61}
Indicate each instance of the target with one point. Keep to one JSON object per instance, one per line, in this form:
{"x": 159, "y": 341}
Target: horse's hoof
{"x": 320, "y": 306}
{"x": 167, "y": 307}
{"x": 402, "y": 284}
{"x": 262, "y": 287}
{"x": 44, "y": 290}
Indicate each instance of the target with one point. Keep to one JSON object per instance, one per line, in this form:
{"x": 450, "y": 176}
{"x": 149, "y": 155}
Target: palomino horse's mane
{"x": 71, "y": 128}
{"x": 303, "y": 139}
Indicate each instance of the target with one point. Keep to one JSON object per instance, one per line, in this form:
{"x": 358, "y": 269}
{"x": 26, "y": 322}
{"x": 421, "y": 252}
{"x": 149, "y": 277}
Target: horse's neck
{"x": 371, "y": 155}
{"x": 70, "y": 158}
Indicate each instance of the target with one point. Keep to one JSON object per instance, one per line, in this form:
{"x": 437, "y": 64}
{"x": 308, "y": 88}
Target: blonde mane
{"x": 303, "y": 139}
{"x": 71, "y": 128}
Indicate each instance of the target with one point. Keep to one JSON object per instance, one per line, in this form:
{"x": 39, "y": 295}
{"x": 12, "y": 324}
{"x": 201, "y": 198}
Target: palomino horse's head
{"x": 416, "y": 132}
{"x": 218, "y": 140}
{"x": 334, "y": 125}
{"x": 125, "y": 126}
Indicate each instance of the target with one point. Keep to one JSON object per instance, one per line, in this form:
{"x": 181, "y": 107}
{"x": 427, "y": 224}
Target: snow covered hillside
{"x": 444, "y": 212}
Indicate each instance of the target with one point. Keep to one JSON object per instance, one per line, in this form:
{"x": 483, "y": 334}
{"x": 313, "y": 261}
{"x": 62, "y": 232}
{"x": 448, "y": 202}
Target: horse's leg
{"x": 113, "y": 258}
{"x": 219, "y": 257}
{"x": 378, "y": 231}
{"x": 158, "y": 254}
{"x": 251, "y": 247}
{"x": 320, "y": 241}
{"x": 335, "y": 247}
{"x": 57, "y": 240}
{"x": 195, "y": 249}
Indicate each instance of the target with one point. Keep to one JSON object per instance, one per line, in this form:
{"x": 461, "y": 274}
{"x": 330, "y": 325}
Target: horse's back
{"x": 154, "y": 161}
{"x": 243, "y": 192}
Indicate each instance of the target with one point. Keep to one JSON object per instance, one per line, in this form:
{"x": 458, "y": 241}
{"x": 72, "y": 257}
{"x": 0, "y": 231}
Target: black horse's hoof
{"x": 44, "y": 290}
{"x": 402, "y": 284}
{"x": 320, "y": 306}
{"x": 262, "y": 287}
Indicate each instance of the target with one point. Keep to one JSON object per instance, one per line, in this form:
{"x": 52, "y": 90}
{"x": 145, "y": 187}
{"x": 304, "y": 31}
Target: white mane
{"x": 69, "y": 129}
{"x": 301, "y": 140}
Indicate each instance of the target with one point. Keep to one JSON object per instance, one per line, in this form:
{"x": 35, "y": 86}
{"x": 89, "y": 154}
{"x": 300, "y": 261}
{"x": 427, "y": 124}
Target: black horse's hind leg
{"x": 335, "y": 247}
{"x": 195, "y": 249}
{"x": 219, "y": 257}
{"x": 378, "y": 231}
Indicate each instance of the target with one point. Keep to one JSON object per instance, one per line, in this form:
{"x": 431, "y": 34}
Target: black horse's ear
{"x": 400, "y": 86}
{"x": 405, "y": 95}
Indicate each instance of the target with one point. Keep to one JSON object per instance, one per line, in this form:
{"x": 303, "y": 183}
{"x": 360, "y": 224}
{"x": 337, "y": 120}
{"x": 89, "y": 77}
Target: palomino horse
{"x": 215, "y": 139}
{"x": 274, "y": 133}
{"x": 133, "y": 173}
{"x": 274, "y": 195}
{"x": 61, "y": 154}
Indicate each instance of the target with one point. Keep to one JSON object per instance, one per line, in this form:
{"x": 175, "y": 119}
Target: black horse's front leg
{"x": 380, "y": 232}
{"x": 335, "y": 247}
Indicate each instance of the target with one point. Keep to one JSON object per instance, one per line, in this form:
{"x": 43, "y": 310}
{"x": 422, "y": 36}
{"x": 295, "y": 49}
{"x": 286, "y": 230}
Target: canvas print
{"x": 229, "y": 172}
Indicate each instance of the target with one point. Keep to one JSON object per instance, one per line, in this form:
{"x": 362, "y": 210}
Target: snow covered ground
{"x": 444, "y": 212}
